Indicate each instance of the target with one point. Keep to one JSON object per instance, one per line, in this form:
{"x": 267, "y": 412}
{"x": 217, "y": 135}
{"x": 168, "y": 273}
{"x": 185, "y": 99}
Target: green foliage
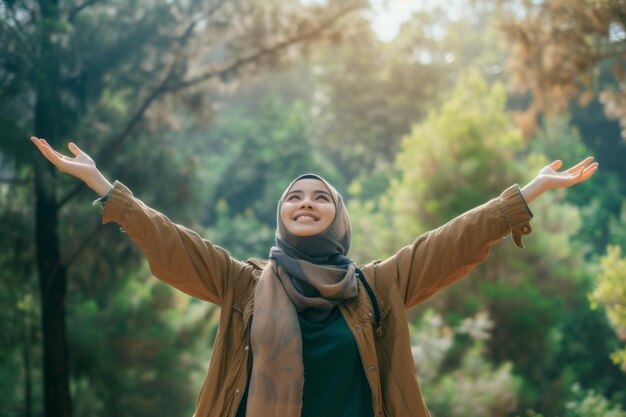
{"x": 370, "y": 92}
{"x": 531, "y": 413}
{"x": 463, "y": 154}
{"x": 475, "y": 386}
{"x": 139, "y": 341}
{"x": 244, "y": 165}
{"x": 523, "y": 329}
{"x": 219, "y": 165}
{"x": 119, "y": 78}
{"x": 586, "y": 339}
{"x": 586, "y": 404}
{"x": 617, "y": 227}
{"x": 249, "y": 159}
{"x": 558, "y": 139}
{"x": 591, "y": 404}
{"x": 610, "y": 292}
{"x": 20, "y": 352}
{"x": 464, "y": 150}
{"x": 243, "y": 234}
{"x": 452, "y": 161}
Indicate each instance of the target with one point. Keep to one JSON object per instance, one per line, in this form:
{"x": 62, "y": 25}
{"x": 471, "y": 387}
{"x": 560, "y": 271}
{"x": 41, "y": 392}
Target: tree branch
{"x": 233, "y": 66}
{"x": 611, "y": 54}
{"x": 116, "y": 141}
{"x": 74, "y": 11}
{"x": 166, "y": 87}
{"x": 81, "y": 246}
{"x": 19, "y": 31}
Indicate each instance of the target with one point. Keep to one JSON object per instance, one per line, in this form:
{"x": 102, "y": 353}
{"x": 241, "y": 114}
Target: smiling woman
{"x": 307, "y": 332}
{"x": 308, "y": 208}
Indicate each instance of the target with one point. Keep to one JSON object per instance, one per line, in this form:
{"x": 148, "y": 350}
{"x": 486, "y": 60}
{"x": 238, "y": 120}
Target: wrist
{"x": 532, "y": 190}
{"x": 99, "y": 183}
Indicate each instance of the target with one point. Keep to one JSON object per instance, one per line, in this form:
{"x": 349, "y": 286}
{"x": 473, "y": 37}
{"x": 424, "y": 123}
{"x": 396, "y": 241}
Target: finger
{"x": 55, "y": 157}
{"x": 50, "y": 155}
{"x": 590, "y": 170}
{"x": 38, "y": 142}
{"x": 585, "y": 173}
{"x": 57, "y": 153}
{"x": 580, "y": 165}
{"x": 74, "y": 149}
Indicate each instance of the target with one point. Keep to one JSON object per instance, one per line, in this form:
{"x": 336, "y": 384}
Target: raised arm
{"x": 441, "y": 257}
{"x": 176, "y": 255}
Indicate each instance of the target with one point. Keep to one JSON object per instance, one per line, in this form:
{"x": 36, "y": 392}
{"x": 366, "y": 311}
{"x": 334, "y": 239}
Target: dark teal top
{"x": 334, "y": 381}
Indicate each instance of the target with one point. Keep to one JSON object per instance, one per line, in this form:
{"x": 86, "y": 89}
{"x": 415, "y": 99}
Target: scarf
{"x": 307, "y": 275}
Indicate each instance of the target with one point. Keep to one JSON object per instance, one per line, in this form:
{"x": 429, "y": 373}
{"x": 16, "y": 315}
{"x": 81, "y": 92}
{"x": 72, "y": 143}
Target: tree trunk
{"x": 52, "y": 274}
{"x": 28, "y": 403}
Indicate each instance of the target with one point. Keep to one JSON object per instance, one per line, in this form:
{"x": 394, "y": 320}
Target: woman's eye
{"x": 323, "y": 197}
{"x": 293, "y": 197}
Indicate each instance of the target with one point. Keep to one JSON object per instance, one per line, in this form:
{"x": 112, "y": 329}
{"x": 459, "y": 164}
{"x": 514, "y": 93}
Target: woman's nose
{"x": 307, "y": 202}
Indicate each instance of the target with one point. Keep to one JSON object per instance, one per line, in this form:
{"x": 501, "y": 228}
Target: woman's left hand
{"x": 549, "y": 178}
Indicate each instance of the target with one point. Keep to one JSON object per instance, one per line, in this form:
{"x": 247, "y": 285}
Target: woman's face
{"x": 308, "y": 208}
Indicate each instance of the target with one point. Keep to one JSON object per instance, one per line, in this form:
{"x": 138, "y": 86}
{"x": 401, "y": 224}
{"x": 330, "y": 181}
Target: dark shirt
{"x": 334, "y": 381}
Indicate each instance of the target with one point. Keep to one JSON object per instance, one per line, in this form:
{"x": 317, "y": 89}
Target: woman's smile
{"x": 306, "y": 218}
{"x": 308, "y": 208}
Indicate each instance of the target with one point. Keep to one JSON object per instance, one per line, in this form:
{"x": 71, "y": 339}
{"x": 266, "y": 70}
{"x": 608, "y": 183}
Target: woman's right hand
{"x": 81, "y": 166}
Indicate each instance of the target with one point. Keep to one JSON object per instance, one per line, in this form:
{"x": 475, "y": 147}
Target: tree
{"x": 449, "y": 163}
{"x": 96, "y": 70}
{"x": 558, "y": 49}
{"x": 471, "y": 386}
{"x": 558, "y": 138}
{"x": 463, "y": 154}
{"x": 610, "y": 293}
{"x": 369, "y": 93}
{"x": 260, "y": 154}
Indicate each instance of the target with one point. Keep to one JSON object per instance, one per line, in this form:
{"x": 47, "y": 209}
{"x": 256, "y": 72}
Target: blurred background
{"x": 416, "y": 111}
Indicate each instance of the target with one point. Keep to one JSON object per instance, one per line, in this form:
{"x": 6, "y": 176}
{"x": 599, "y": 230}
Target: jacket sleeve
{"x": 441, "y": 257}
{"x": 176, "y": 255}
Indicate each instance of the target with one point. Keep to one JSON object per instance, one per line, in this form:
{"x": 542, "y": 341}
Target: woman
{"x": 327, "y": 338}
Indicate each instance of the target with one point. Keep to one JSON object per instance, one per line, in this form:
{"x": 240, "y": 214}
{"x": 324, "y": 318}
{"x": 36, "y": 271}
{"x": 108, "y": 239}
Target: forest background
{"x": 207, "y": 109}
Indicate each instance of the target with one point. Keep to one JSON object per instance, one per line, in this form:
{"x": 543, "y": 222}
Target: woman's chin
{"x": 305, "y": 231}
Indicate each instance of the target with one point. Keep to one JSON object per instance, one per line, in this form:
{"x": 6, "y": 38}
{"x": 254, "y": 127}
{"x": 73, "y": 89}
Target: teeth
{"x": 305, "y": 218}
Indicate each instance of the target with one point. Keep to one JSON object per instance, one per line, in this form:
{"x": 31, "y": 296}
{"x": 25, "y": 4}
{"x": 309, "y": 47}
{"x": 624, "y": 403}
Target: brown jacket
{"x": 432, "y": 262}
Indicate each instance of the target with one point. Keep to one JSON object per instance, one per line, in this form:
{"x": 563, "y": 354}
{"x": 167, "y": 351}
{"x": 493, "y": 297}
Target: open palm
{"x": 579, "y": 173}
{"x": 81, "y": 165}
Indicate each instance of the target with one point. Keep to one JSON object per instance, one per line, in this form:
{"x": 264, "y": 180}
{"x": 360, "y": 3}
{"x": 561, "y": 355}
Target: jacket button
{"x": 372, "y": 369}
{"x": 122, "y": 230}
{"x": 237, "y": 391}
{"x": 525, "y": 229}
{"x": 369, "y": 314}
{"x": 246, "y": 348}
{"x": 358, "y": 327}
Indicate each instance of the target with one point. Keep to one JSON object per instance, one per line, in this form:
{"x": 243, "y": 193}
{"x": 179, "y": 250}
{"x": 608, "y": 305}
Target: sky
{"x": 388, "y": 15}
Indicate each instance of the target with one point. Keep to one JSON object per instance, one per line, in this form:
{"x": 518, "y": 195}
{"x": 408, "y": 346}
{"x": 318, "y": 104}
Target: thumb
{"x": 556, "y": 164}
{"x": 74, "y": 149}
